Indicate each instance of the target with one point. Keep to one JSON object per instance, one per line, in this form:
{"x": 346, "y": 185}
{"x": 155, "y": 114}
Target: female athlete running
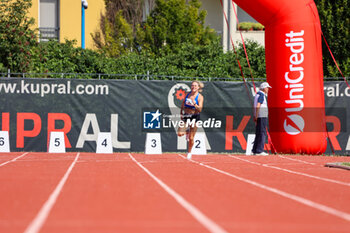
{"x": 190, "y": 111}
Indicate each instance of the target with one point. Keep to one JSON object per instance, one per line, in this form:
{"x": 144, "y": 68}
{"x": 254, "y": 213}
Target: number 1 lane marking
{"x": 209, "y": 224}
{"x": 44, "y": 212}
{"x": 13, "y": 160}
{"x": 296, "y": 198}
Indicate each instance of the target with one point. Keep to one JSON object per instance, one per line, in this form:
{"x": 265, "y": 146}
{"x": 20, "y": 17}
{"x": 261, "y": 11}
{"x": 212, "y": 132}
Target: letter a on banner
{"x": 199, "y": 146}
{"x": 56, "y": 144}
{"x": 4, "y": 141}
{"x": 348, "y": 144}
{"x": 104, "y": 143}
{"x": 153, "y": 144}
{"x": 250, "y": 142}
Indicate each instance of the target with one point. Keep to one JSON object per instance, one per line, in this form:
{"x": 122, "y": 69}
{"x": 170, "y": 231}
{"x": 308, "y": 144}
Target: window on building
{"x": 49, "y": 20}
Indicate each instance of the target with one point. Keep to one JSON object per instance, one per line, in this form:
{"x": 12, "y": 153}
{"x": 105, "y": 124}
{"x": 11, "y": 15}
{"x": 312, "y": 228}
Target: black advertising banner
{"x": 129, "y": 109}
{"x": 337, "y": 96}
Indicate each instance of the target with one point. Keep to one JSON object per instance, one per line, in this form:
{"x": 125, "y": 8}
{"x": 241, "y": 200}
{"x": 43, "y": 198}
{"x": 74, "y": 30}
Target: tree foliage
{"x": 193, "y": 61}
{"x": 55, "y": 57}
{"x": 118, "y": 37}
{"x": 190, "y": 61}
{"x": 188, "y": 49}
{"x": 173, "y": 41}
{"x": 172, "y": 23}
{"x": 335, "y": 22}
{"x": 17, "y": 38}
{"x": 118, "y": 26}
{"x": 132, "y": 11}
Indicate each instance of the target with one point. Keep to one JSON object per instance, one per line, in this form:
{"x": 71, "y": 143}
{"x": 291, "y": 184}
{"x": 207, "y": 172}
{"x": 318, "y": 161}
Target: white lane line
{"x": 298, "y": 160}
{"x": 13, "y": 160}
{"x": 323, "y": 208}
{"x": 209, "y": 224}
{"x": 293, "y": 172}
{"x": 44, "y": 212}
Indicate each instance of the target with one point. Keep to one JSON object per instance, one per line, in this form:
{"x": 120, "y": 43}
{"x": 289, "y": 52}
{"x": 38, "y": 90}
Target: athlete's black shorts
{"x": 190, "y": 117}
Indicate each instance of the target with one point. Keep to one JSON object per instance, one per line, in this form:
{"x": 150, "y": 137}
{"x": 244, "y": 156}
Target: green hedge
{"x": 190, "y": 61}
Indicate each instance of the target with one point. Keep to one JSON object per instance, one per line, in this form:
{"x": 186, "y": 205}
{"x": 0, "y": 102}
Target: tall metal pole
{"x": 82, "y": 26}
{"x": 84, "y": 5}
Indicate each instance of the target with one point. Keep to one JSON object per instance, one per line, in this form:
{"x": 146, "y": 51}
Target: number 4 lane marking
{"x": 104, "y": 143}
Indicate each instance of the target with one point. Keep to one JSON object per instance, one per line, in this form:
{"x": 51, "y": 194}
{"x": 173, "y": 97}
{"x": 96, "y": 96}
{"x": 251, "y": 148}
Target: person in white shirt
{"x": 260, "y": 118}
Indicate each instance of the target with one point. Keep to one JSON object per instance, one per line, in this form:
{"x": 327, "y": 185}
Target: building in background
{"x": 216, "y": 20}
{"x": 61, "y": 19}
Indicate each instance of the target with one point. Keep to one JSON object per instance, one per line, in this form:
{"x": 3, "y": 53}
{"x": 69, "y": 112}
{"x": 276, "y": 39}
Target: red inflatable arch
{"x": 294, "y": 70}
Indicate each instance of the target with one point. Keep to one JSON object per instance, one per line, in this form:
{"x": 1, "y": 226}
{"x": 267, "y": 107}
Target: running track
{"x": 122, "y": 192}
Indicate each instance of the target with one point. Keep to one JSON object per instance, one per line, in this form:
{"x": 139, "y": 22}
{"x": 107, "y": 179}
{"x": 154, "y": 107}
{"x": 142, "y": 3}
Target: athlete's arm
{"x": 199, "y": 106}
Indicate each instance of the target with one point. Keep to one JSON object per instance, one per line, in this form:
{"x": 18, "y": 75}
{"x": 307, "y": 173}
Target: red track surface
{"x": 167, "y": 193}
